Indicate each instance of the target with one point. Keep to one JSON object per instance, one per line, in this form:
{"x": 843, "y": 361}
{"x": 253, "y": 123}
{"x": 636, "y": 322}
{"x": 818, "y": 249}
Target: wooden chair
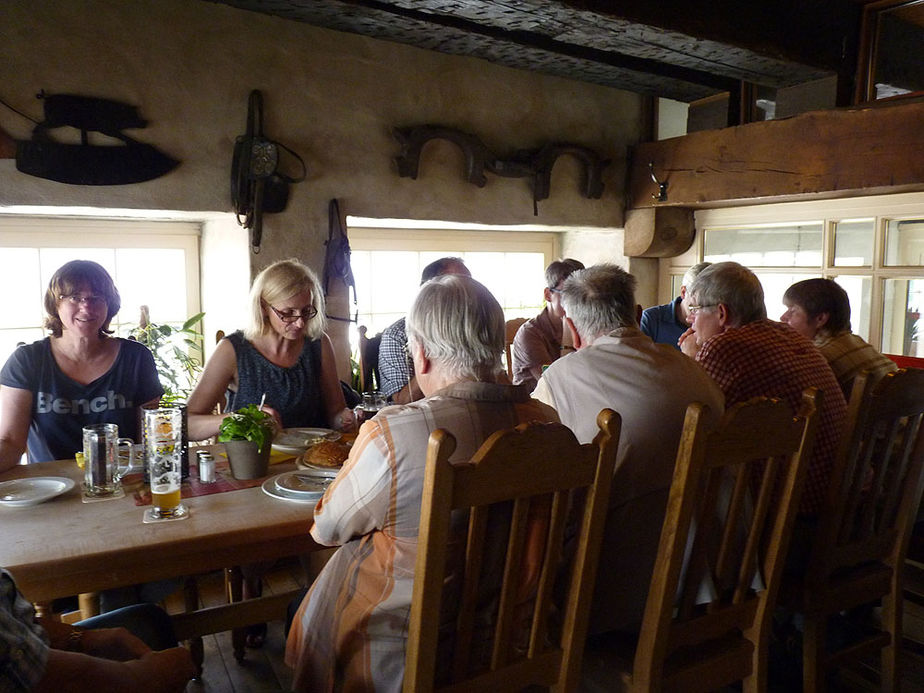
{"x": 369, "y": 360}
{"x": 536, "y": 466}
{"x": 730, "y": 513}
{"x": 860, "y": 545}
{"x": 511, "y": 331}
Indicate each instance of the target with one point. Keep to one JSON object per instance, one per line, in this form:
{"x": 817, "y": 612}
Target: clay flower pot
{"x": 245, "y": 461}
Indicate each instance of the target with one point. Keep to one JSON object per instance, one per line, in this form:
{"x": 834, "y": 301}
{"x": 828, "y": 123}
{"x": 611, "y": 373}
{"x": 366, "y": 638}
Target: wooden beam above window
{"x": 822, "y": 154}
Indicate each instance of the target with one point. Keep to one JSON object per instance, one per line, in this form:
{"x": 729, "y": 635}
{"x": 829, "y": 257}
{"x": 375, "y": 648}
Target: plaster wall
{"x": 332, "y": 97}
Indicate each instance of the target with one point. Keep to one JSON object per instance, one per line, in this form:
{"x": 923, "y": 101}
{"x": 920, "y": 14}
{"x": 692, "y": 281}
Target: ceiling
{"x": 679, "y": 49}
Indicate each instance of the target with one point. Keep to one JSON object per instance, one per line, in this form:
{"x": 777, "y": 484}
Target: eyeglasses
{"x": 693, "y": 310}
{"x": 290, "y": 315}
{"x": 77, "y": 299}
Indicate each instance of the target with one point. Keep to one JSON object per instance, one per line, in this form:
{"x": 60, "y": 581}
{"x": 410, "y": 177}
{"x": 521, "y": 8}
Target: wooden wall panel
{"x": 838, "y": 153}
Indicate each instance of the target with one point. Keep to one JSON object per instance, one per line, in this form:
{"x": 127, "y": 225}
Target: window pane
{"x": 859, "y": 290}
{"x": 141, "y": 281}
{"x": 904, "y": 242}
{"x": 853, "y": 243}
{"x": 778, "y": 245}
{"x": 24, "y": 292}
{"x": 775, "y": 286}
{"x": 903, "y": 300}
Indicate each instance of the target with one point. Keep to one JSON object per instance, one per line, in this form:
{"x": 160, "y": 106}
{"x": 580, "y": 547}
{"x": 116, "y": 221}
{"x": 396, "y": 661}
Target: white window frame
{"x": 881, "y": 208}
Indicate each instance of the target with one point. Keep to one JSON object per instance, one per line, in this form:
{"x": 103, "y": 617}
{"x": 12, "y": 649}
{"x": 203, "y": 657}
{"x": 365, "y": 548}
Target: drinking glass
{"x": 369, "y": 406}
{"x": 102, "y": 472}
{"x": 163, "y": 454}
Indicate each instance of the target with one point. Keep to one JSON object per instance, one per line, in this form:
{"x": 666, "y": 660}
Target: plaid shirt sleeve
{"x": 395, "y": 367}
{"x": 23, "y": 642}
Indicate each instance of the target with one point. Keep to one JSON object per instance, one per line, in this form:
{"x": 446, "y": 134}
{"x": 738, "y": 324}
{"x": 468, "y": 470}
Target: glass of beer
{"x": 163, "y": 455}
{"x": 369, "y": 406}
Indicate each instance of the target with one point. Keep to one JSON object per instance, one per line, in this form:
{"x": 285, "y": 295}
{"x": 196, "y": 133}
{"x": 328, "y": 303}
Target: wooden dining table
{"x": 64, "y": 546}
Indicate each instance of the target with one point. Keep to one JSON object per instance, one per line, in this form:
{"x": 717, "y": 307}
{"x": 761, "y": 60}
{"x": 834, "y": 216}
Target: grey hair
{"x": 280, "y": 281}
{"x": 460, "y": 326}
{"x": 693, "y": 273}
{"x": 733, "y": 285}
{"x": 560, "y": 270}
{"x": 599, "y": 299}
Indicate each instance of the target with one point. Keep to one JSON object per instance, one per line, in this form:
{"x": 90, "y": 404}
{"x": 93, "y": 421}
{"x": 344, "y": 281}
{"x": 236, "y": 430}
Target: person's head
{"x": 555, "y": 276}
{"x": 724, "y": 295}
{"x": 598, "y": 300}
{"x": 445, "y": 265}
{"x": 686, "y": 281}
{"x": 81, "y": 290}
{"x": 458, "y": 326}
{"x": 286, "y": 297}
{"x": 816, "y": 305}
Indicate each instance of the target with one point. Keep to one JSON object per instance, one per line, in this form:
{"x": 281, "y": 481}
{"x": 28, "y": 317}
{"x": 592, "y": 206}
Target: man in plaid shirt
{"x": 750, "y": 356}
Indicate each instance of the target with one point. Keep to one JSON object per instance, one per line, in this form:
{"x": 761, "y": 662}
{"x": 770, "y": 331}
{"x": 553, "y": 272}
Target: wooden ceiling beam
{"x": 822, "y": 154}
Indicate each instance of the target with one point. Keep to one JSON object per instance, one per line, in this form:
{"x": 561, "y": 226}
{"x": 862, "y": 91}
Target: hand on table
{"x": 345, "y": 420}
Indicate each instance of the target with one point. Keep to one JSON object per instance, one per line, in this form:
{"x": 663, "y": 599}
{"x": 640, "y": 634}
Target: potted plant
{"x": 247, "y": 435}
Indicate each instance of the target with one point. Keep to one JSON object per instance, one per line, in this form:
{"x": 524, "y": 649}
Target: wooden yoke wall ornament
{"x": 257, "y": 185}
{"x": 535, "y": 164}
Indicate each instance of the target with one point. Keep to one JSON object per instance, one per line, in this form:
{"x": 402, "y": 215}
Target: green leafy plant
{"x": 177, "y": 353}
{"x": 247, "y": 423}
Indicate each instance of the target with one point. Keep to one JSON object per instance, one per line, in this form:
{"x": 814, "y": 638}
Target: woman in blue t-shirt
{"x": 80, "y": 375}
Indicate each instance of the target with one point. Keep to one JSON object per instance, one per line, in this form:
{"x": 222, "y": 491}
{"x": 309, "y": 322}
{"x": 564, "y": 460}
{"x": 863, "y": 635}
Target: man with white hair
{"x": 650, "y": 386}
{"x": 666, "y": 323}
{"x": 750, "y": 356}
{"x": 350, "y": 631}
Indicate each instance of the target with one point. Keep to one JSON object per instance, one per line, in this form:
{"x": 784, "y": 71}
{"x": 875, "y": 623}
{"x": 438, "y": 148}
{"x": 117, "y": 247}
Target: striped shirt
{"x": 848, "y": 355}
{"x": 770, "y": 359}
{"x": 350, "y": 631}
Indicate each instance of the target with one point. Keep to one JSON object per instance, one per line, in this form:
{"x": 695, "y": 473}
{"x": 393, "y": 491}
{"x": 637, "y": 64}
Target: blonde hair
{"x": 279, "y": 281}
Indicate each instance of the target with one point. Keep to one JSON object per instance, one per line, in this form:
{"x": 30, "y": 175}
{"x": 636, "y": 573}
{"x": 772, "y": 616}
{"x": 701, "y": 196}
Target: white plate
{"x": 303, "y": 484}
{"x": 294, "y": 441}
{"x": 271, "y": 489}
{"x": 18, "y": 493}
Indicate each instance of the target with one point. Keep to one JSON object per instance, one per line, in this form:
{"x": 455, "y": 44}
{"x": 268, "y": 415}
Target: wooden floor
{"x": 264, "y": 669}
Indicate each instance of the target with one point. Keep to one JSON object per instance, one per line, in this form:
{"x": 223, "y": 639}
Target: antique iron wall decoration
{"x": 86, "y": 163}
{"x": 535, "y": 164}
{"x": 257, "y": 184}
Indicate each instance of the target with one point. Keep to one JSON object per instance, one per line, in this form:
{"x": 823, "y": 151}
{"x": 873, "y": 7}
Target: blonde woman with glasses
{"x": 78, "y": 376}
{"x": 283, "y": 358}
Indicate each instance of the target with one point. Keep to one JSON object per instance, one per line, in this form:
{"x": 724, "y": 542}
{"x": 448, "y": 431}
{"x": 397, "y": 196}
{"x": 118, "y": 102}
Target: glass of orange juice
{"x": 163, "y": 457}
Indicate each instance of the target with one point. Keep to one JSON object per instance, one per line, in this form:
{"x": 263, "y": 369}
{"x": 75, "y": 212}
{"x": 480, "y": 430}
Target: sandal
{"x": 255, "y": 636}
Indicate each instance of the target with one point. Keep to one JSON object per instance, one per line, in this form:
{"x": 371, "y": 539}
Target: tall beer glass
{"x": 163, "y": 454}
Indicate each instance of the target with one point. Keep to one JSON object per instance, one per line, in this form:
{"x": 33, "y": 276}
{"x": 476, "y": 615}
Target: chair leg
{"x": 191, "y": 599}
{"x": 234, "y": 584}
{"x": 813, "y": 654}
{"x": 892, "y": 623}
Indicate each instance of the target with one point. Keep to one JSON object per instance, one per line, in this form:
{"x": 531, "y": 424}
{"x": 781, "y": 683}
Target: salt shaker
{"x": 206, "y": 467}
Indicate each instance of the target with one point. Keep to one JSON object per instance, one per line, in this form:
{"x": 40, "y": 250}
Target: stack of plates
{"x": 305, "y": 486}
